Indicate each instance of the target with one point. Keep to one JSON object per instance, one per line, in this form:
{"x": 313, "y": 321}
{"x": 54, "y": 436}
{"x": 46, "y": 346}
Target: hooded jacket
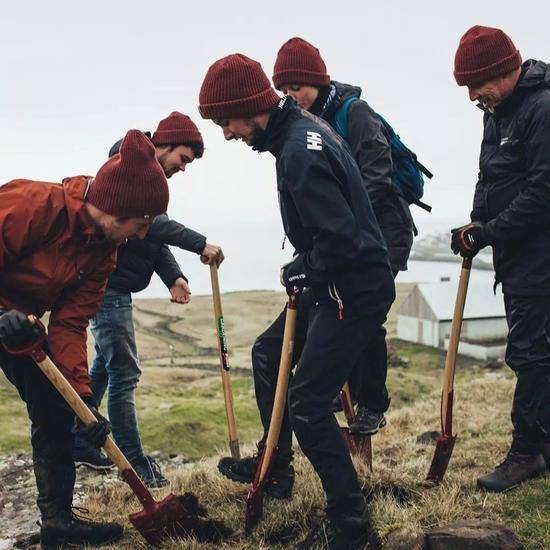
{"x": 512, "y": 196}
{"x": 52, "y": 258}
{"x": 369, "y": 143}
{"x": 326, "y": 213}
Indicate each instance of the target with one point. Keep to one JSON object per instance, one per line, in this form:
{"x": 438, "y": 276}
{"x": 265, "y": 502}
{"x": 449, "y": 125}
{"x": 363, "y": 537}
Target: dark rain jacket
{"x": 326, "y": 213}
{"x": 512, "y": 195}
{"x": 139, "y": 259}
{"x": 369, "y": 143}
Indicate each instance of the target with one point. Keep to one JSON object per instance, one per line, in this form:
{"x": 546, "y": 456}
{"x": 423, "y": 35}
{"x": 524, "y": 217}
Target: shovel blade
{"x": 254, "y": 507}
{"x": 169, "y": 518}
{"x": 359, "y": 445}
{"x": 444, "y": 449}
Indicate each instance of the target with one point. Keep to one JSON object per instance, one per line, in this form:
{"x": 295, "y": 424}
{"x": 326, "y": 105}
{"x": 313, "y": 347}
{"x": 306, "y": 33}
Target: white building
{"x": 425, "y": 317}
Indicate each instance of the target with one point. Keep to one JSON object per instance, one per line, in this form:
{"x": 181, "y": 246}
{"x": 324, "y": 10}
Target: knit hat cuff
{"x": 241, "y": 107}
{"x": 176, "y": 137}
{"x": 477, "y": 76}
{"x": 300, "y": 76}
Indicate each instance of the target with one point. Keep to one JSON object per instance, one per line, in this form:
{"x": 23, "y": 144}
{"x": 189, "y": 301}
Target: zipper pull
{"x": 284, "y": 241}
{"x": 340, "y": 310}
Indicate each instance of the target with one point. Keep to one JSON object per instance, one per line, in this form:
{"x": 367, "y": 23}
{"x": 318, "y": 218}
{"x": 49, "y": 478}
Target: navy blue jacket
{"x": 326, "y": 213}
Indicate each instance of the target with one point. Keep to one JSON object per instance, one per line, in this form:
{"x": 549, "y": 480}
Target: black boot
{"x": 67, "y": 529}
{"x": 546, "y": 454}
{"x": 515, "y": 469}
{"x": 281, "y": 478}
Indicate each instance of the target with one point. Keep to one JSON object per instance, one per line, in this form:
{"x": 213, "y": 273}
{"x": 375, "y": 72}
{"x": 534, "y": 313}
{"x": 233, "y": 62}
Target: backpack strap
{"x": 341, "y": 117}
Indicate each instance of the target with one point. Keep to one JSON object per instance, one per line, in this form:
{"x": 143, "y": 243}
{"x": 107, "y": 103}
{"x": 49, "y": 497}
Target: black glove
{"x": 16, "y": 329}
{"x": 468, "y": 240}
{"x": 94, "y": 433}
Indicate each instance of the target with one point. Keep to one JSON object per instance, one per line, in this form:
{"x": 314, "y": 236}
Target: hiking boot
{"x": 515, "y": 469}
{"x": 92, "y": 458}
{"x": 330, "y": 535}
{"x": 367, "y": 422}
{"x": 546, "y": 454}
{"x": 280, "y": 482}
{"x": 67, "y": 529}
{"x": 148, "y": 470}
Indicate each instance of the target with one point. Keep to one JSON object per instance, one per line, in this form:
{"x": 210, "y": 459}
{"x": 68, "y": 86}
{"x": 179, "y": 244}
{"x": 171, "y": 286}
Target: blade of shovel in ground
{"x": 446, "y": 441}
{"x": 172, "y": 517}
{"x": 224, "y": 363}
{"x": 359, "y": 445}
{"x": 255, "y": 497}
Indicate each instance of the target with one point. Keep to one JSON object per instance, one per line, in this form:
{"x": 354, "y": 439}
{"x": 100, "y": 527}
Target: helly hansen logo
{"x": 314, "y": 141}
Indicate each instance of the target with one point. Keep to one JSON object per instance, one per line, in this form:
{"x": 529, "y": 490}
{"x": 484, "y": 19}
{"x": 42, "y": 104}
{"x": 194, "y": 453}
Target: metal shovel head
{"x": 177, "y": 517}
{"x": 358, "y": 445}
{"x": 444, "y": 449}
{"x": 255, "y": 497}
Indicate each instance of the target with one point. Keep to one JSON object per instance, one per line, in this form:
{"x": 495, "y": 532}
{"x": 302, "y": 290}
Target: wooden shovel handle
{"x": 225, "y": 369}
{"x": 454, "y": 338}
{"x": 279, "y": 404}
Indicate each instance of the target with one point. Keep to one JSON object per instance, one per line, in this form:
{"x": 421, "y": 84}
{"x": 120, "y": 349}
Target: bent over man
{"x": 340, "y": 256}
{"x": 511, "y": 213}
{"x": 57, "y": 248}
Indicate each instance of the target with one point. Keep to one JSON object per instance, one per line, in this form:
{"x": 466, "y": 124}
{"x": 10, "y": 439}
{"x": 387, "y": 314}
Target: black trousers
{"x": 326, "y": 350}
{"x": 51, "y": 435}
{"x": 528, "y": 354}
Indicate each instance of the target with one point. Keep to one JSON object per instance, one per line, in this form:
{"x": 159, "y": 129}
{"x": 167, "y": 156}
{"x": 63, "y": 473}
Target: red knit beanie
{"x": 299, "y": 62}
{"x": 484, "y": 53}
{"x": 236, "y": 87}
{"x": 131, "y": 184}
{"x": 176, "y": 129}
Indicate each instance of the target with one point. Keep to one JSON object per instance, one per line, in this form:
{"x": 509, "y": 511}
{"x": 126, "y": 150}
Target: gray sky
{"x": 77, "y": 75}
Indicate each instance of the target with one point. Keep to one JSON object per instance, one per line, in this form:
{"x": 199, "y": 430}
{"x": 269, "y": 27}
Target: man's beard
{"x": 258, "y": 134}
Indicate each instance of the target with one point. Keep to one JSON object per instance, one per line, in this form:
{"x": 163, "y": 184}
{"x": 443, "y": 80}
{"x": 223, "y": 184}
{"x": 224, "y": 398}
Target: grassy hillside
{"x": 181, "y": 412}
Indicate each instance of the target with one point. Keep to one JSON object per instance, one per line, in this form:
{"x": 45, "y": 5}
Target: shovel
{"x": 169, "y": 518}
{"x": 255, "y": 497}
{"x": 360, "y": 445}
{"x": 224, "y": 363}
{"x": 446, "y": 441}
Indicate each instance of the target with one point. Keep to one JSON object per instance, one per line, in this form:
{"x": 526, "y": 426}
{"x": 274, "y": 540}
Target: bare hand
{"x": 212, "y": 255}
{"x": 180, "y": 292}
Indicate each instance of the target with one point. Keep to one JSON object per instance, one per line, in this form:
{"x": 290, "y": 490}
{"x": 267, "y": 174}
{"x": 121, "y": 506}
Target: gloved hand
{"x": 94, "y": 433}
{"x": 469, "y": 239}
{"x": 16, "y": 329}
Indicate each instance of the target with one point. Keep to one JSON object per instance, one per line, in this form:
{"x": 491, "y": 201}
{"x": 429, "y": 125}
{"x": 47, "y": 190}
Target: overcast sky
{"x": 78, "y": 75}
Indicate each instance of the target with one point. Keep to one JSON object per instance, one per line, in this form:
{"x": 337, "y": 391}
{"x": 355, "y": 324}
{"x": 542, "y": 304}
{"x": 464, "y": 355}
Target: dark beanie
{"x": 484, "y": 53}
{"x": 131, "y": 184}
{"x": 176, "y": 129}
{"x": 236, "y": 87}
{"x": 299, "y": 62}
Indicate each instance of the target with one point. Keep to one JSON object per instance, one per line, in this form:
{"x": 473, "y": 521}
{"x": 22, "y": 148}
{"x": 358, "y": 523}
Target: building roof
{"x": 440, "y": 298}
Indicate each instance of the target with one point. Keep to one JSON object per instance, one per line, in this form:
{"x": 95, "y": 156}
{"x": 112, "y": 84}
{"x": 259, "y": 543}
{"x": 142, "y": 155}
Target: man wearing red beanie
{"x": 57, "y": 248}
{"x": 511, "y": 213}
{"x": 340, "y": 258}
{"x": 177, "y": 142}
{"x": 300, "y": 72}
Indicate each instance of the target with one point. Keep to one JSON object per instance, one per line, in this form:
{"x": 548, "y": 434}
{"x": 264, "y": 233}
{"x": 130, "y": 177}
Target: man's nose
{"x": 473, "y": 94}
{"x": 228, "y": 134}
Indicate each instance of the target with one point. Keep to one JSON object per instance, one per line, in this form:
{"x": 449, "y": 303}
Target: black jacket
{"x": 512, "y": 195}
{"x": 369, "y": 143}
{"x": 326, "y": 213}
{"x": 138, "y": 259}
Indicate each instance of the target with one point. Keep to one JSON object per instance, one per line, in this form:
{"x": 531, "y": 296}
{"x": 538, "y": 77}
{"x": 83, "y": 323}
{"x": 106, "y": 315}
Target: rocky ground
{"x": 19, "y": 514}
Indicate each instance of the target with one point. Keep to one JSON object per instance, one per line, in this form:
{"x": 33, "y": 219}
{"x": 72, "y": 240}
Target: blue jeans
{"x": 116, "y": 367}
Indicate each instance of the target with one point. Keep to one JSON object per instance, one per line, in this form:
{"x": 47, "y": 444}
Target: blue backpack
{"x": 407, "y": 175}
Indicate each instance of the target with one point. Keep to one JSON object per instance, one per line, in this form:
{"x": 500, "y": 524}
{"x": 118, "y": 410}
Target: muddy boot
{"x": 546, "y": 454}
{"x": 515, "y": 469}
{"x": 66, "y": 529}
{"x": 281, "y": 479}
{"x": 335, "y": 533}
{"x": 367, "y": 422}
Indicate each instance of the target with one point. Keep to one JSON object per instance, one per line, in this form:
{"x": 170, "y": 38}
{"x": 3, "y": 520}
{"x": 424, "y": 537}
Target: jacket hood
{"x": 343, "y": 92}
{"x": 537, "y": 74}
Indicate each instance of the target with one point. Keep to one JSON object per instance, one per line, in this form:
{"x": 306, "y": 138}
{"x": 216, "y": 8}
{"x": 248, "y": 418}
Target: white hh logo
{"x": 314, "y": 141}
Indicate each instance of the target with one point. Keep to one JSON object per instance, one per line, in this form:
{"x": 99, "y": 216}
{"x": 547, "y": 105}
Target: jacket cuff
{"x": 180, "y": 276}
{"x": 294, "y": 273}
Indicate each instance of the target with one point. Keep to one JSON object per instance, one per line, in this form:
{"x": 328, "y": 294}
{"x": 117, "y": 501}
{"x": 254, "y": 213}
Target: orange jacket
{"x": 53, "y": 259}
